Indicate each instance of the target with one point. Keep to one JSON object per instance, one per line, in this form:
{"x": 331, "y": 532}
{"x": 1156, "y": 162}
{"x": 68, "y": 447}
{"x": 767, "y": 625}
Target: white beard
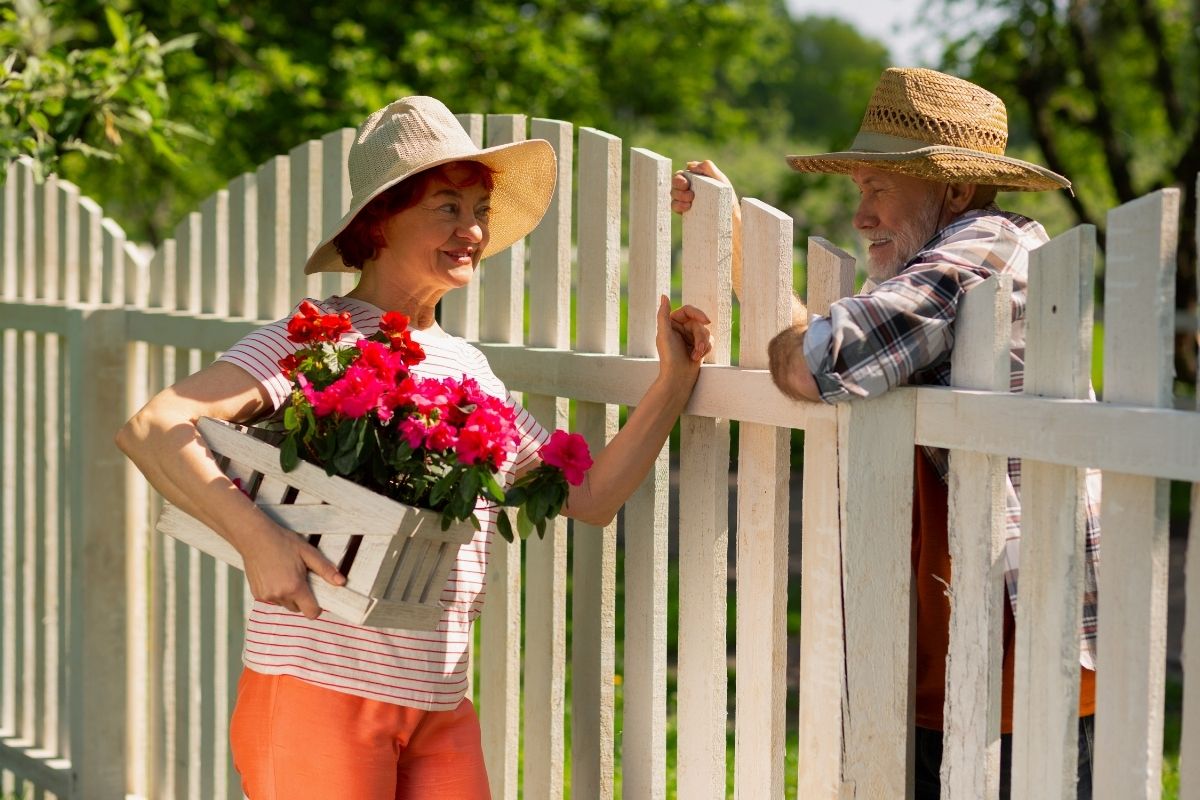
{"x": 906, "y": 241}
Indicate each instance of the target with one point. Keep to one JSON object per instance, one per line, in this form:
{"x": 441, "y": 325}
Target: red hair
{"x": 362, "y": 239}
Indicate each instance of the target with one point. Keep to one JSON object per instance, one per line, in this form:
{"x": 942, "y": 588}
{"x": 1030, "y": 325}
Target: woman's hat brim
{"x": 523, "y": 174}
{"x": 940, "y": 163}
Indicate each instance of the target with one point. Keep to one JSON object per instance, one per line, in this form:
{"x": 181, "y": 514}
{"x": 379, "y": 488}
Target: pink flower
{"x": 569, "y": 452}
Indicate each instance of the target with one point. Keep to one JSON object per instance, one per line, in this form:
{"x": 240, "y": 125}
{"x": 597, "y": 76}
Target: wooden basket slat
{"x": 378, "y": 544}
{"x": 306, "y": 477}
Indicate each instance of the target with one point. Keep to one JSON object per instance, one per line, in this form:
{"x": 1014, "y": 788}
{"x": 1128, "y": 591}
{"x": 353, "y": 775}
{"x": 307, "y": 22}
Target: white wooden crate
{"x": 396, "y": 558}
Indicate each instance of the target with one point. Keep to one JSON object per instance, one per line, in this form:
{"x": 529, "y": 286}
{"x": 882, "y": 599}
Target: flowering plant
{"x": 357, "y": 411}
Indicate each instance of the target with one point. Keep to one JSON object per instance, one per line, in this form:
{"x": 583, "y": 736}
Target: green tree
{"x": 56, "y": 100}
{"x": 1108, "y": 92}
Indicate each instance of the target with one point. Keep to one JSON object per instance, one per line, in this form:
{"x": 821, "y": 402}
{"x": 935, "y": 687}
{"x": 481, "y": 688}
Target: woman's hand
{"x": 683, "y": 339}
{"x": 277, "y": 562}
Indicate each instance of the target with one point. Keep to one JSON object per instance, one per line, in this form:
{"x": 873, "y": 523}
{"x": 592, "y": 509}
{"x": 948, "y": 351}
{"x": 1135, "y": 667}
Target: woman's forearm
{"x": 620, "y": 467}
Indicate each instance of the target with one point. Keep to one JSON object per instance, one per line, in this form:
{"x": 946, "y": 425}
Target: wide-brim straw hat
{"x": 416, "y": 133}
{"x": 934, "y": 126}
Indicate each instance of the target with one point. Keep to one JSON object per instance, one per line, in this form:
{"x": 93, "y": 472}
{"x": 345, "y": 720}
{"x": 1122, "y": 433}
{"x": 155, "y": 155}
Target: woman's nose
{"x": 472, "y": 228}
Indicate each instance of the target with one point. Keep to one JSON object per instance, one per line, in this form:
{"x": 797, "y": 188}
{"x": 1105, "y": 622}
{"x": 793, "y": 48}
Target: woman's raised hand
{"x": 683, "y": 337}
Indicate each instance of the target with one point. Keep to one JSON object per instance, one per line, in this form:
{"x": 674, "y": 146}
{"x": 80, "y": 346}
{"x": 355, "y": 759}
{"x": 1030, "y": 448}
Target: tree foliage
{"x": 56, "y": 99}
{"x": 264, "y": 76}
{"x": 1108, "y": 92}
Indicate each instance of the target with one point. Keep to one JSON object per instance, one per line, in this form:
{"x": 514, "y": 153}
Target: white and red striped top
{"x": 426, "y": 670}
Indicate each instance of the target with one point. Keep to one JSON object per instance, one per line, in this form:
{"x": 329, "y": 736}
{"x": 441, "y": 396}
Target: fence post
{"x": 822, "y": 654}
{"x": 1138, "y": 369}
{"x": 704, "y": 511}
{"x": 1046, "y": 690}
{"x": 980, "y": 360}
{"x": 1189, "y": 747}
{"x": 97, "y": 690}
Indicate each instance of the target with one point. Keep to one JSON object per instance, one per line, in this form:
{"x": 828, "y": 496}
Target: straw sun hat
{"x": 414, "y": 134}
{"x": 938, "y": 127}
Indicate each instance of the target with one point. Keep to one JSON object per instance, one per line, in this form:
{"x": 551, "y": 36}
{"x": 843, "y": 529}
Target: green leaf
{"x": 291, "y": 421}
{"x": 524, "y": 525}
{"x": 504, "y": 526}
{"x": 289, "y": 458}
{"x": 120, "y": 30}
{"x": 492, "y": 488}
{"x": 443, "y": 486}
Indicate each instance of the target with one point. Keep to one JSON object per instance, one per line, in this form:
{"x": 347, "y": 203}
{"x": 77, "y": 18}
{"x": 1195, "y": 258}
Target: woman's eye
{"x": 483, "y": 213}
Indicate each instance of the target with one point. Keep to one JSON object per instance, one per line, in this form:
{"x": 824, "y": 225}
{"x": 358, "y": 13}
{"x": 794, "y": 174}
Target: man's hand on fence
{"x": 682, "y": 195}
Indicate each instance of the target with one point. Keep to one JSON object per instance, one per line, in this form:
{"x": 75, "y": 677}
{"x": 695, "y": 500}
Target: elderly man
{"x": 928, "y": 161}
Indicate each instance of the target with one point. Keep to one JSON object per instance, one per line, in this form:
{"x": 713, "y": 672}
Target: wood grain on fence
{"x": 764, "y": 472}
{"x": 822, "y": 687}
{"x": 1139, "y": 306}
{"x": 546, "y": 558}
{"x": 1057, "y": 363}
{"x": 594, "y": 549}
{"x": 644, "y": 741}
{"x": 701, "y": 704}
{"x": 976, "y": 525}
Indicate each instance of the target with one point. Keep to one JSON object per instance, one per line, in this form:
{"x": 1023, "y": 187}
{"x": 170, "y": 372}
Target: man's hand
{"x": 789, "y": 368}
{"x": 682, "y": 195}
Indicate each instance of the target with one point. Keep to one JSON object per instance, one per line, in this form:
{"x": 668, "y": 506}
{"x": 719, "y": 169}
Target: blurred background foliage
{"x": 151, "y": 106}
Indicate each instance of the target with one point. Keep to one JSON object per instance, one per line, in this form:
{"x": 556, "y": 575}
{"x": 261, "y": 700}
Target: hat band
{"x": 869, "y": 142}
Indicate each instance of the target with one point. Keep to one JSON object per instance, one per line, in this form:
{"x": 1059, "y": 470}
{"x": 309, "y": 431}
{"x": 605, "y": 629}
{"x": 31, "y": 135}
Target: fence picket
{"x": 1046, "y": 693}
{"x": 335, "y": 201}
{"x": 594, "y": 549}
{"x": 1139, "y": 309}
{"x": 971, "y": 753}
{"x": 243, "y": 245}
{"x": 214, "y": 254}
{"x": 644, "y": 743}
{"x": 306, "y": 174}
{"x": 460, "y": 309}
{"x": 500, "y": 637}
{"x": 762, "y": 521}
{"x": 703, "y": 511}
{"x": 546, "y": 559}
{"x": 822, "y": 656}
{"x": 273, "y": 197}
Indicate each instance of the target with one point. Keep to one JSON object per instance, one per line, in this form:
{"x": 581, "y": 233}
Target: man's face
{"x": 896, "y": 215}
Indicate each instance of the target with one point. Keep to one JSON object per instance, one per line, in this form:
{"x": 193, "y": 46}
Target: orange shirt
{"x": 931, "y": 566}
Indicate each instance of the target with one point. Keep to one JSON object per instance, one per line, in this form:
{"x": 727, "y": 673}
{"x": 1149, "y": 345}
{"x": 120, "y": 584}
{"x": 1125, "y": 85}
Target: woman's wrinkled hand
{"x": 684, "y": 338}
{"x": 277, "y": 562}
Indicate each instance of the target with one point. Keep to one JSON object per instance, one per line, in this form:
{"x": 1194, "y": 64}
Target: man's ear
{"x": 961, "y": 197}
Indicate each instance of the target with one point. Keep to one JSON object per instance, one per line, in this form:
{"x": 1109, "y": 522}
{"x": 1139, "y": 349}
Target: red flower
{"x": 289, "y": 364}
{"x": 308, "y": 324}
{"x": 393, "y": 322}
{"x": 569, "y": 452}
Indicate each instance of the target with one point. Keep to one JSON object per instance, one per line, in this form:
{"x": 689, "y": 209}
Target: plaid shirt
{"x": 902, "y": 331}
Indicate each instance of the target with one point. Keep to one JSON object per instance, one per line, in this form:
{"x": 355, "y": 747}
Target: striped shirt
{"x": 902, "y": 332}
{"x": 421, "y": 669}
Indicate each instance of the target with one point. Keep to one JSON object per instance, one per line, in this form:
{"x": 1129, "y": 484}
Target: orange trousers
{"x": 293, "y": 740}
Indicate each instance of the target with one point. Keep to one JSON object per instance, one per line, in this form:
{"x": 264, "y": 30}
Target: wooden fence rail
{"x": 120, "y": 651}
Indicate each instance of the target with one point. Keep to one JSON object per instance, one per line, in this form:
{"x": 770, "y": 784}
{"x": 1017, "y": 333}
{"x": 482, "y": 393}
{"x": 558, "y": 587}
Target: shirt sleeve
{"x": 532, "y": 437}
{"x": 259, "y": 353}
{"x": 871, "y": 343}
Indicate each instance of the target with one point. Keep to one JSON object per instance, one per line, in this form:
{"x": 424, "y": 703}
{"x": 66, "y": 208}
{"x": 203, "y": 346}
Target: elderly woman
{"x": 326, "y": 709}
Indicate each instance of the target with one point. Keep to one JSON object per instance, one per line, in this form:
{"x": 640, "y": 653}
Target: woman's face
{"x": 435, "y": 245}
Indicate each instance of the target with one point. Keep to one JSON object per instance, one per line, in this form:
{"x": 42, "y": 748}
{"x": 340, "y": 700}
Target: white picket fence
{"x": 119, "y": 650}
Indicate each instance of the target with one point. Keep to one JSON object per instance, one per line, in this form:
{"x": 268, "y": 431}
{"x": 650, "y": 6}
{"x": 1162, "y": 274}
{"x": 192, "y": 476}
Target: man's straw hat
{"x": 413, "y": 134}
{"x": 938, "y": 127}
